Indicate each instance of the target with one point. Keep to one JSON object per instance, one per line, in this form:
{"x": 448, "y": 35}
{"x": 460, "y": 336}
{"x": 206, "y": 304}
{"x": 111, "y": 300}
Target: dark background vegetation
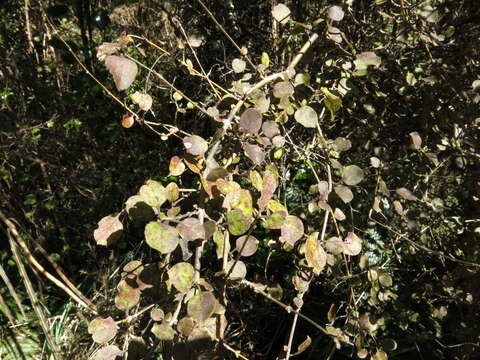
{"x": 66, "y": 162}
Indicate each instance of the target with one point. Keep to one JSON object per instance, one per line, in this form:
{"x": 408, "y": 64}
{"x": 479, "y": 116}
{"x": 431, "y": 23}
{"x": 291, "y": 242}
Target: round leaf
{"x": 195, "y": 145}
{"x": 270, "y": 129}
{"x": 109, "y": 352}
{"x": 344, "y": 193}
{"x": 181, "y": 276}
{"x": 238, "y": 222}
{"x": 163, "y": 331}
{"x": 254, "y": 153}
{"x": 102, "y": 330}
{"x": 250, "y": 121}
{"x": 291, "y": 230}
{"x": 246, "y": 245}
{"x": 127, "y": 296}
{"x": 282, "y": 89}
{"x": 352, "y": 244}
{"x": 161, "y": 237}
{"x": 201, "y": 306}
{"x": 176, "y": 167}
{"x": 281, "y": 13}
{"x": 191, "y": 229}
{"x": 352, "y": 175}
{"x": 307, "y": 116}
{"x": 109, "y": 230}
{"x": 238, "y": 65}
{"x": 239, "y": 270}
{"x": 335, "y": 13}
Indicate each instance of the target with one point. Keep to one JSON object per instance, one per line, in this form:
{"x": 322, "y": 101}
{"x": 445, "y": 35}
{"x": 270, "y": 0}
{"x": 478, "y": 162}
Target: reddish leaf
{"x": 291, "y": 230}
{"x": 195, "y": 145}
{"x": 269, "y": 185}
{"x": 250, "y": 121}
{"x": 176, "y": 167}
{"x": 254, "y": 153}
{"x": 109, "y": 230}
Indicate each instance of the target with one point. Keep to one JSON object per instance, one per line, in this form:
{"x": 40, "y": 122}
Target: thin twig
{"x": 242, "y": 52}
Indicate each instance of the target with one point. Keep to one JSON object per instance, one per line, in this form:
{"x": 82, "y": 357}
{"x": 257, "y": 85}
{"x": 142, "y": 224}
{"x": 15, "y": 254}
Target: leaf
{"x": 246, "y": 245}
{"x": 380, "y": 355}
{"x": 416, "y": 140}
{"x": 334, "y": 34}
{"x": 304, "y": 345}
{"x": 314, "y": 254}
{"x": 122, "y": 69}
{"x": 128, "y": 120}
{"x": 144, "y": 101}
{"x": 172, "y": 192}
{"x": 255, "y": 179}
{"x": 269, "y": 185}
{"x": 138, "y": 209}
{"x": 278, "y": 141}
{"x": 181, "y": 276}
{"x": 369, "y": 58}
{"x": 352, "y": 175}
{"x": 102, "y": 329}
{"x": 163, "y": 331}
{"x": 332, "y": 101}
{"x": 406, "y": 194}
{"x": 153, "y": 193}
{"x": 375, "y": 162}
{"x": 238, "y": 222}
{"x": 127, "y": 296}
{"x": 161, "y": 237}
{"x": 341, "y": 144}
{"x": 281, "y": 13}
{"x": 274, "y": 205}
{"x": 270, "y": 129}
{"x": 344, "y": 193}
{"x": 195, "y": 145}
{"x": 157, "y": 314}
{"x": 339, "y": 215}
{"x": 239, "y": 269}
{"x": 219, "y": 240}
{"x": 282, "y": 89}
{"x": 109, "y": 352}
{"x": 238, "y": 65}
{"x": 335, "y": 13}
{"x": 201, "y": 306}
{"x": 276, "y": 220}
{"x": 109, "y": 230}
{"x": 265, "y": 59}
{"x": 195, "y": 40}
{"x": 191, "y": 229}
{"x": 352, "y": 245}
{"x": 291, "y": 230}
{"x": 250, "y": 121}
{"x": 226, "y": 187}
{"x": 185, "y": 326}
{"x": 307, "y": 116}
{"x": 241, "y": 200}
{"x": 254, "y": 153}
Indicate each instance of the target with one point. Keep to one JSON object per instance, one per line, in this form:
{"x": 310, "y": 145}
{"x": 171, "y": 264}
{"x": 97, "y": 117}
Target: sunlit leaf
{"x": 269, "y": 185}
{"x": 339, "y": 215}
{"x": 163, "y": 331}
{"x": 195, "y": 145}
{"x": 274, "y": 206}
{"x": 102, "y": 329}
{"x": 276, "y": 220}
{"x": 250, "y": 121}
{"x": 195, "y": 40}
{"x": 153, "y": 193}
{"x": 138, "y": 209}
{"x": 191, "y": 229}
{"x": 239, "y": 269}
{"x": 241, "y": 200}
{"x": 238, "y": 222}
{"x": 270, "y": 129}
{"x": 176, "y": 166}
{"x": 334, "y": 34}
{"x": 281, "y": 13}
{"x": 226, "y": 187}
{"x": 220, "y": 242}
{"x": 335, "y": 13}
{"x": 246, "y": 245}
{"x": 254, "y": 153}
{"x": 238, "y": 65}
{"x": 291, "y": 230}
{"x": 109, "y": 230}
{"x": 314, "y": 253}
{"x": 341, "y": 144}
{"x": 344, "y": 193}
{"x": 185, "y": 326}
{"x": 201, "y": 306}
{"x": 352, "y": 244}
{"x": 352, "y": 175}
{"x": 128, "y": 120}
{"x": 282, "y": 89}
{"x": 304, "y": 345}
{"x": 406, "y": 194}
{"x": 122, "y": 69}
{"x": 416, "y": 140}
{"x": 109, "y": 352}
{"x": 127, "y": 296}
{"x": 181, "y": 276}
{"x": 307, "y": 116}
{"x": 144, "y": 101}
{"x": 255, "y": 179}
{"x": 161, "y": 237}
{"x": 369, "y": 58}
{"x": 172, "y": 192}
{"x": 157, "y": 314}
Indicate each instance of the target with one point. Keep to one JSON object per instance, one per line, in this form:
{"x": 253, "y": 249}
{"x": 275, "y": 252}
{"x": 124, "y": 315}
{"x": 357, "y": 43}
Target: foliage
{"x": 338, "y": 179}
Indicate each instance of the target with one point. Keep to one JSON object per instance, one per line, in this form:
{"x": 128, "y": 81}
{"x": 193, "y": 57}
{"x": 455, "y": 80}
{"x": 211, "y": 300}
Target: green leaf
{"x": 307, "y": 116}
{"x": 238, "y": 222}
{"x": 163, "y": 331}
{"x": 153, "y": 193}
{"x": 181, "y": 276}
{"x": 161, "y": 237}
{"x": 102, "y": 329}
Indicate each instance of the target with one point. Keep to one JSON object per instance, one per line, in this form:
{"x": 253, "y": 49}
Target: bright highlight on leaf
{"x": 109, "y": 230}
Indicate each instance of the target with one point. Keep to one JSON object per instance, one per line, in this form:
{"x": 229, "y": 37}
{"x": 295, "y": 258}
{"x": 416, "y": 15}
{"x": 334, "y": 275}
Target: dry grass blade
{"x": 11, "y": 289}
{"x": 34, "y": 300}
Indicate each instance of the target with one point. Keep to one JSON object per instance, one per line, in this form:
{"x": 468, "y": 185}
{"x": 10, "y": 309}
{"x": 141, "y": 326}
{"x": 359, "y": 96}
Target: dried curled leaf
{"x": 123, "y": 71}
